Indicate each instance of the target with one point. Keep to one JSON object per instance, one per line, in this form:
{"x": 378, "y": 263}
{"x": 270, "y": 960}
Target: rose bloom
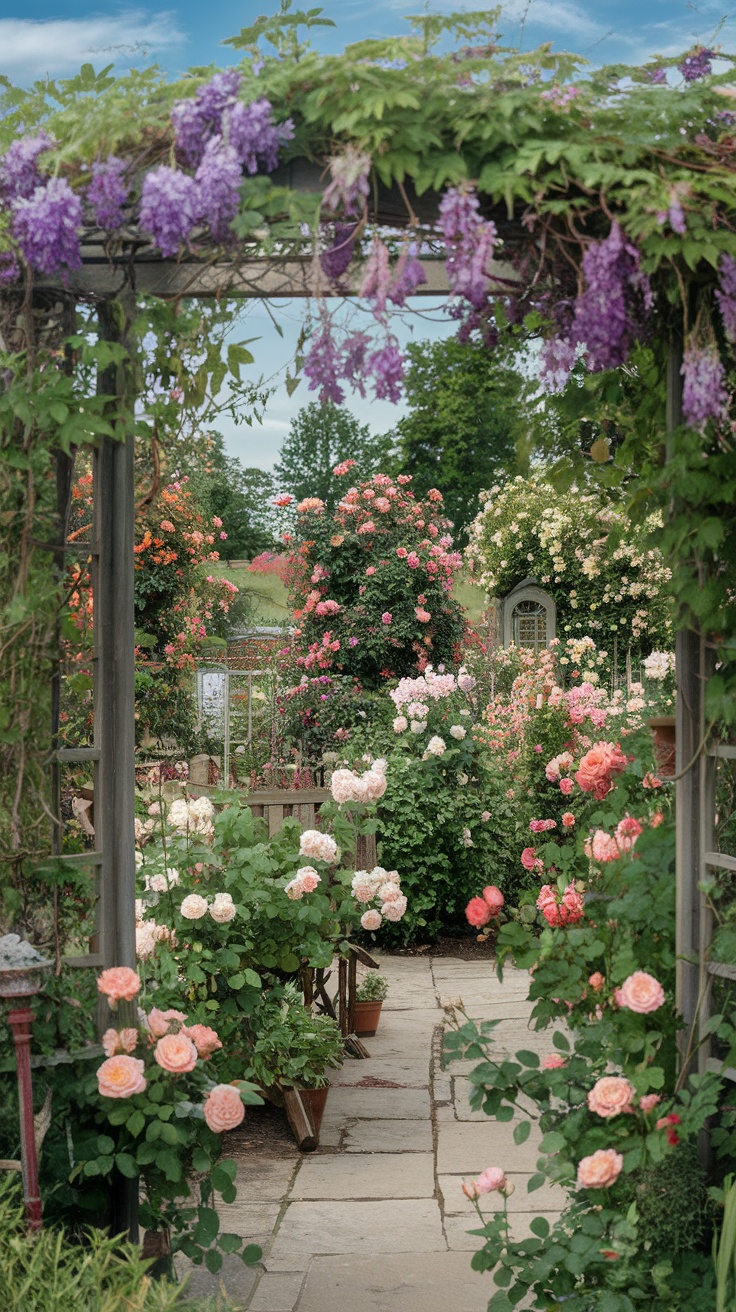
{"x": 601, "y": 1169}
{"x": 494, "y": 898}
{"x": 387, "y": 617}
{"x": 374, "y": 785}
{"x": 596, "y": 981}
{"x": 371, "y": 920}
{"x": 552, "y": 1062}
{"x": 223, "y": 908}
{"x": 110, "y": 1042}
{"x": 568, "y": 820}
{"x": 649, "y": 1101}
{"x": 205, "y": 1040}
{"x": 308, "y": 878}
{"x": 121, "y": 1077}
{"x": 458, "y": 731}
{"x": 641, "y": 993}
{"x": 363, "y": 892}
{"x": 318, "y": 846}
{"x": 400, "y": 724}
{"x": 223, "y": 1108}
{"x": 389, "y": 891}
{"x": 176, "y": 1053}
{"x": 160, "y": 1022}
{"x": 566, "y": 786}
{"x": 342, "y": 786}
{"x": 128, "y": 1038}
{"x": 528, "y": 858}
{"x": 193, "y": 907}
{"x": 119, "y": 984}
{"x": 597, "y": 766}
{"x": 610, "y": 1096}
{"x": 627, "y": 832}
{"x": 478, "y": 912}
{"x": 394, "y": 910}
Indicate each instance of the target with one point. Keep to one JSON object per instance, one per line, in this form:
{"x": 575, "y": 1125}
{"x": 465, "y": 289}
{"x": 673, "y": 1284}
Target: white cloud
{"x": 31, "y": 48}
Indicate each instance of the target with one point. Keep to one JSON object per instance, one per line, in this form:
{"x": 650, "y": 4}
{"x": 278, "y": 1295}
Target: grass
{"x": 271, "y": 606}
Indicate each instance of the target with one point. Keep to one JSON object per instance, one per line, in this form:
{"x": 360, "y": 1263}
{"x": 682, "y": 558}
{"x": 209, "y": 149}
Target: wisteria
{"x": 408, "y": 276}
{"x": 469, "y": 243}
{"x": 349, "y": 188}
{"x": 170, "y": 208}
{"x": 335, "y": 261}
{"x": 387, "y": 367}
{"x": 107, "y": 193}
{"x": 251, "y": 130}
{"x": 355, "y": 362}
{"x": 704, "y": 394}
{"x": 218, "y": 179}
{"x": 47, "y": 227}
{"x": 322, "y": 367}
{"x": 726, "y": 295}
{"x": 19, "y": 174}
{"x": 556, "y": 362}
{"x": 610, "y": 313}
{"x": 376, "y": 277}
{"x": 198, "y": 119}
{"x": 696, "y": 64}
{"x": 9, "y": 268}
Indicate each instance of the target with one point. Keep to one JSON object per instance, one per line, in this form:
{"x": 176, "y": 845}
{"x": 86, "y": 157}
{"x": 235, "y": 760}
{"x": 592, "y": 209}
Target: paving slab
{"x": 470, "y": 1147}
{"x": 388, "y": 1136}
{"x": 548, "y": 1199}
{"x": 403, "y": 1225}
{"x": 379, "y": 1104}
{"x": 413, "y": 1282}
{"x": 235, "y": 1280}
{"x": 366, "y": 1175}
{"x": 412, "y": 1069}
{"x": 277, "y": 1291}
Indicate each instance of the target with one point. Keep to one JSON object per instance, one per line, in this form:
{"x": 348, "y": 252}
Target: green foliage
{"x": 320, "y": 437}
{"x": 372, "y": 988}
{"x": 290, "y": 1046}
{"x": 467, "y": 419}
{"x": 240, "y": 497}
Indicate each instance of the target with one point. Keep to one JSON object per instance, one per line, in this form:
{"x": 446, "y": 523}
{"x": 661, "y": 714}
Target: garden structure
{"x": 582, "y": 224}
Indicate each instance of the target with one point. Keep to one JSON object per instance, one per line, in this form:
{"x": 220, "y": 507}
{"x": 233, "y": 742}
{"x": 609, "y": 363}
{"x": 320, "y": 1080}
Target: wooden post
{"x": 689, "y": 727}
{"x": 20, "y": 1020}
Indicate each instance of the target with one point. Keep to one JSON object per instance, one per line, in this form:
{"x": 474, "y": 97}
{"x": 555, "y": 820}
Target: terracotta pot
{"x": 316, "y": 1099}
{"x": 367, "y": 1016}
{"x": 664, "y": 733}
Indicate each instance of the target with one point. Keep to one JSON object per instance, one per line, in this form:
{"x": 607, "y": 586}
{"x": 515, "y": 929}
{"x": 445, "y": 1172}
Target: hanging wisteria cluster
{"x": 217, "y": 135}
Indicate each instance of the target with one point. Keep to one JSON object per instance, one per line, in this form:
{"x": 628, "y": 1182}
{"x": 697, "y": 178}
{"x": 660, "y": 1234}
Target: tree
{"x": 322, "y": 436}
{"x": 241, "y": 496}
{"x": 466, "y": 422}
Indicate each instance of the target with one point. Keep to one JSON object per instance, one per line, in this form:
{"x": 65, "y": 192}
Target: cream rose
{"x": 193, "y": 907}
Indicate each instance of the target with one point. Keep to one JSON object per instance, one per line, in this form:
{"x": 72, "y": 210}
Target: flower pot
{"x": 664, "y": 734}
{"x": 156, "y": 1247}
{"x": 316, "y": 1098}
{"x": 367, "y": 1016}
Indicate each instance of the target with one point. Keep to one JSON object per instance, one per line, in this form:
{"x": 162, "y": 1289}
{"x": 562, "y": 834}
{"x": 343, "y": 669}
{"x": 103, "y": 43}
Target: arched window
{"x": 529, "y": 617}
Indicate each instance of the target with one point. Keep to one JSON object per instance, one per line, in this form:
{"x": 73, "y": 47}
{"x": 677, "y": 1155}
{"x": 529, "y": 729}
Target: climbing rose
{"x": 641, "y": 993}
{"x": 176, "y": 1053}
{"x": 601, "y": 1169}
{"x": 568, "y": 820}
{"x": 205, "y": 1039}
{"x": 121, "y": 1077}
{"x": 223, "y": 1108}
{"x": 666, "y": 1123}
{"x": 610, "y": 1096}
{"x": 222, "y": 908}
{"x": 320, "y": 847}
{"x": 47, "y": 227}
{"x": 494, "y": 898}
{"x": 159, "y": 1022}
{"x": 597, "y": 766}
{"x": 119, "y": 984}
{"x": 649, "y": 1101}
{"x": 478, "y": 912}
{"x": 193, "y": 907}
{"x": 492, "y": 1180}
{"x": 596, "y": 981}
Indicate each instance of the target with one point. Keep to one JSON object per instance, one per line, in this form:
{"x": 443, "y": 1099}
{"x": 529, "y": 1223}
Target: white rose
{"x": 457, "y": 731}
{"x": 222, "y": 908}
{"x": 389, "y": 891}
{"x": 138, "y": 859}
{"x": 178, "y": 816}
{"x": 155, "y": 883}
{"x": 193, "y": 907}
{"x": 418, "y": 726}
{"x": 436, "y": 746}
{"x": 400, "y": 724}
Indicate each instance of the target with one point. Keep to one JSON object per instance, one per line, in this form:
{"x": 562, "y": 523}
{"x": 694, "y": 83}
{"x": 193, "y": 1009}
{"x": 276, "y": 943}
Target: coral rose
{"x": 223, "y": 1108}
{"x": 494, "y": 897}
{"x": 159, "y": 1022}
{"x": 119, "y": 984}
{"x": 478, "y": 912}
{"x": 176, "y": 1053}
{"x": 121, "y": 1077}
{"x": 601, "y": 1169}
{"x": 110, "y": 1042}
{"x": 552, "y": 1062}
{"x": 128, "y": 1038}
{"x": 596, "y": 981}
{"x": 205, "y": 1040}
{"x": 641, "y": 993}
{"x": 610, "y": 1096}
{"x": 649, "y": 1101}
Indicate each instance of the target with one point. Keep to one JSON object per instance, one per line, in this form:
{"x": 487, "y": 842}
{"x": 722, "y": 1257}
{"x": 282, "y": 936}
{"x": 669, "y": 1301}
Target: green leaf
{"x": 213, "y": 1260}
{"x": 553, "y": 1142}
{"x": 527, "y": 1058}
{"x": 229, "y": 1243}
{"x": 560, "y": 1042}
{"x": 126, "y": 1165}
{"x": 539, "y": 1226}
{"x": 208, "y": 1225}
{"x": 251, "y": 1254}
{"x": 522, "y": 1132}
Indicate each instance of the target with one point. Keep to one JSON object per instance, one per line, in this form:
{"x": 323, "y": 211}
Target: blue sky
{"x": 39, "y": 37}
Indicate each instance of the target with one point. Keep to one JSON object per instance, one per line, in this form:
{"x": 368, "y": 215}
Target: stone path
{"x": 375, "y": 1220}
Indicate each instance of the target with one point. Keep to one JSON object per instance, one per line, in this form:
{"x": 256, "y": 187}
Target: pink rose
{"x": 490, "y": 1180}
{"x": 649, "y": 1101}
{"x": 601, "y": 1169}
{"x": 553, "y": 1062}
{"x": 205, "y": 1040}
{"x": 566, "y": 786}
{"x": 176, "y": 1053}
{"x": 223, "y": 1108}
{"x": 387, "y": 617}
{"x": 121, "y": 1077}
{"x": 159, "y": 1022}
{"x": 478, "y": 912}
{"x": 494, "y": 897}
{"x": 596, "y": 981}
{"x": 119, "y": 983}
{"x": 568, "y": 820}
{"x": 128, "y": 1038}
{"x": 371, "y": 920}
{"x": 110, "y": 1042}
{"x": 528, "y": 858}
{"x": 610, "y": 1096}
{"x": 627, "y": 832}
{"x": 641, "y": 993}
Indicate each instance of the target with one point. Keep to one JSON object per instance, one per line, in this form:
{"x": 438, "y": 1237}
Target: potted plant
{"x": 292, "y": 1048}
{"x": 369, "y": 998}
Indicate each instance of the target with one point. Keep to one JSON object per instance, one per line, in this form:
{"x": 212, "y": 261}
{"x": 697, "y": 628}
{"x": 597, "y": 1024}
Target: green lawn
{"x": 271, "y": 605}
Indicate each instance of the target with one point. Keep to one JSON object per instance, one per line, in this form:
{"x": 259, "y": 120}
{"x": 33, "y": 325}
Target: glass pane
{"x": 530, "y": 625}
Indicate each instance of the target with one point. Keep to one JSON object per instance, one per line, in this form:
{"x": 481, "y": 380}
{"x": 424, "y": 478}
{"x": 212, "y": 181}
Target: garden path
{"x": 375, "y": 1220}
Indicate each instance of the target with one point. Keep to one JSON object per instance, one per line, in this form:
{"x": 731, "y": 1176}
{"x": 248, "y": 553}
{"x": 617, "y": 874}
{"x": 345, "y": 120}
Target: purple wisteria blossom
{"x": 9, "y": 268}
{"x": 47, "y": 227}
{"x": 322, "y": 367}
{"x": 726, "y": 296}
{"x": 387, "y": 367}
{"x": 704, "y": 394}
{"x": 336, "y": 259}
{"x": 350, "y": 187}
{"x": 657, "y": 75}
{"x": 610, "y": 313}
{"x": 251, "y": 130}
{"x": 696, "y": 64}
{"x": 107, "y": 193}
{"x": 469, "y": 243}
{"x": 556, "y": 362}
{"x": 376, "y": 277}
{"x": 170, "y": 208}
{"x": 408, "y": 275}
{"x": 19, "y": 175}
{"x": 218, "y": 178}
{"x": 199, "y": 118}
{"x": 355, "y": 360}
